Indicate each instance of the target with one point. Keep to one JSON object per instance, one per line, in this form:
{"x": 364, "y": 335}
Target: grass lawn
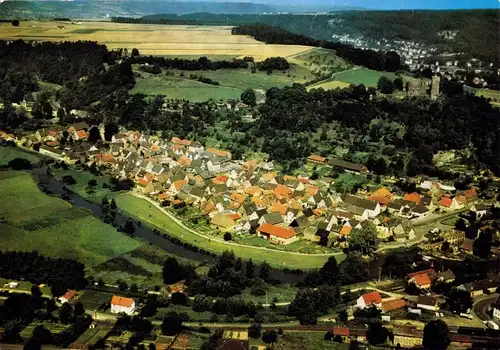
{"x": 282, "y": 292}
{"x": 9, "y": 153}
{"x": 54, "y": 328}
{"x": 36, "y": 221}
{"x": 450, "y": 221}
{"x": 81, "y": 187}
{"x": 91, "y": 336}
{"x": 92, "y": 299}
{"x": 178, "y": 88}
{"x": 196, "y": 339}
{"x": 149, "y": 214}
{"x": 366, "y": 76}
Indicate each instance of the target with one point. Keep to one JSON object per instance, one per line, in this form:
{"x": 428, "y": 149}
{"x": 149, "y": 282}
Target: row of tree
{"x": 60, "y": 274}
{"x": 202, "y": 63}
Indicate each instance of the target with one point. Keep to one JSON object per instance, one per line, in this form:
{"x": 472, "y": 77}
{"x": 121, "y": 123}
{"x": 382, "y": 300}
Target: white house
{"x": 369, "y": 299}
{"x": 121, "y": 304}
{"x": 496, "y": 309}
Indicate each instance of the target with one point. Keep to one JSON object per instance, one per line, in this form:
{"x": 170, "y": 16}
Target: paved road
{"x": 480, "y": 307}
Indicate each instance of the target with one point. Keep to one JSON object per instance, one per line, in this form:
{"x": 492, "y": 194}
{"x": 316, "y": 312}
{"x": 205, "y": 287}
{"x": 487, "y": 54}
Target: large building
{"x": 122, "y": 305}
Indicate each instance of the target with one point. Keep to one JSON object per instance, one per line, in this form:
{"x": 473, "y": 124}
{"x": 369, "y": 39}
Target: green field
{"x": 82, "y": 178}
{"x": 9, "y": 153}
{"x": 149, "y": 214}
{"x": 366, "y": 76}
{"x": 494, "y": 95}
{"x": 92, "y": 299}
{"x": 232, "y": 83}
{"x": 36, "y": 221}
{"x": 329, "y": 85}
{"x": 177, "y": 88}
{"x": 54, "y": 328}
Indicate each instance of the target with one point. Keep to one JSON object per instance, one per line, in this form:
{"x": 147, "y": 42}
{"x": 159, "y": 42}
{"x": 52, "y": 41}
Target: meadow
{"x": 151, "y": 39}
{"x": 152, "y": 216}
{"x": 494, "y": 95}
{"x": 7, "y": 154}
{"x": 366, "y": 76}
{"x": 232, "y": 83}
{"x": 36, "y": 221}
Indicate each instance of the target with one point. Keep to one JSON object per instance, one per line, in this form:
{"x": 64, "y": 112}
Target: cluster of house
{"x": 118, "y": 304}
{"x": 249, "y": 196}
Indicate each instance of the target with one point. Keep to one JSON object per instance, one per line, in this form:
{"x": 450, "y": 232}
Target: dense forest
{"x": 476, "y": 29}
{"x": 38, "y": 269}
{"x": 203, "y": 63}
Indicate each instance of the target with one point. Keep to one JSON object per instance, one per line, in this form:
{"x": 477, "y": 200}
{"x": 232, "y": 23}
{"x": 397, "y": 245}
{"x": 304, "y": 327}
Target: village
{"x": 249, "y": 197}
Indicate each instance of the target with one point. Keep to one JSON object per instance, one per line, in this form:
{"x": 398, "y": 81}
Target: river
{"x": 145, "y": 233}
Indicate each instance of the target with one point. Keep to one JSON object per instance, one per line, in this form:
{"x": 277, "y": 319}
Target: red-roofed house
{"x": 392, "y": 305}
{"x": 422, "y": 281}
{"x": 81, "y": 135}
{"x": 470, "y": 194}
{"x": 121, "y": 304}
{"x": 278, "y": 234}
{"x": 342, "y": 332}
{"x": 412, "y": 197}
{"x": 68, "y": 296}
{"x": 446, "y": 202}
{"x": 369, "y": 299}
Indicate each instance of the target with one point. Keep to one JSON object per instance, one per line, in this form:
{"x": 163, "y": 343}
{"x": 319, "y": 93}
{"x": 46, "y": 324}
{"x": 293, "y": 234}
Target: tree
{"x": 32, "y": 344}
{"x": 172, "y": 324}
{"x": 92, "y": 183}
{"x": 482, "y": 244}
{"x": 58, "y": 288}
{"x": 122, "y": 285}
{"x": 134, "y": 288}
{"x": 79, "y": 309}
{"x": 15, "y": 23}
{"x": 129, "y": 227}
{"x": 94, "y": 134}
{"x": 270, "y": 337}
{"x": 249, "y": 269}
{"x": 68, "y": 180}
{"x": 110, "y": 129}
{"x": 201, "y": 304}
{"x": 377, "y": 334}
{"x": 227, "y": 236}
{"x": 264, "y": 270}
{"x": 66, "y": 313}
{"x": 385, "y": 85}
{"x": 179, "y": 298}
{"x": 343, "y": 316}
{"x": 172, "y": 271}
{"x": 135, "y": 52}
{"x": 329, "y": 272}
{"x": 20, "y": 164}
{"x": 43, "y": 335}
{"x": 254, "y": 330}
{"x": 398, "y": 84}
{"x": 459, "y": 301}
{"x": 36, "y": 292}
{"x": 248, "y": 96}
{"x": 363, "y": 240}
{"x": 436, "y": 335}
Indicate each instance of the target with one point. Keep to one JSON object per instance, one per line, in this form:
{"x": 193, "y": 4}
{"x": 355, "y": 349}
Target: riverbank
{"x": 151, "y": 213}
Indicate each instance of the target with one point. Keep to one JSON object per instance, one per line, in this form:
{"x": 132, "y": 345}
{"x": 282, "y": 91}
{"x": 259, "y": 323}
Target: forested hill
{"x": 377, "y": 60}
{"x": 476, "y": 30}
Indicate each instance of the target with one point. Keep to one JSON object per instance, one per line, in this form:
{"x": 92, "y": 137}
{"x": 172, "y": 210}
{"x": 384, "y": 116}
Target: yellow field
{"x": 330, "y": 85}
{"x": 151, "y": 39}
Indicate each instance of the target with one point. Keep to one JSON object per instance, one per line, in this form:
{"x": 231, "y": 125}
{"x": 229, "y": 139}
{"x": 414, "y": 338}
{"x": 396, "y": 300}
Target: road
{"x": 480, "y": 307}
{"x": 228, "y": 243}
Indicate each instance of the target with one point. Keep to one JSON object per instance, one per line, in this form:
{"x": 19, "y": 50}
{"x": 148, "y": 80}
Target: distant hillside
{"x": 473, "y": 32}
{"x": 135, "y": 8}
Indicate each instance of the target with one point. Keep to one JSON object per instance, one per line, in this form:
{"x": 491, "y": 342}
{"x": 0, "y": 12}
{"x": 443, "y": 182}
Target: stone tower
{"x": 435, "y": 87}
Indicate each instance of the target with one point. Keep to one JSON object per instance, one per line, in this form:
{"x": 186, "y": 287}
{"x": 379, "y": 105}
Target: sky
{"x": 387, "y": 4}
